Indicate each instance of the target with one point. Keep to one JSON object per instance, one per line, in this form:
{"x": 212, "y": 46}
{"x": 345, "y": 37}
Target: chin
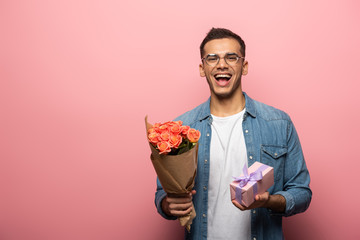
{"x": 224, "y": 95}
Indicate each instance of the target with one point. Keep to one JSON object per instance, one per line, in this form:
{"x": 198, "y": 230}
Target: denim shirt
{"x": 270, "y": 138}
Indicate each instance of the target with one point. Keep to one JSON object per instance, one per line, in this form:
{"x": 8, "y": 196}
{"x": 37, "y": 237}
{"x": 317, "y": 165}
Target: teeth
{"x": 223, "y": 76}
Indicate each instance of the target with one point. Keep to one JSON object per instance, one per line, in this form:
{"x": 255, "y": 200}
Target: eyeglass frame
{"x": 214, "y": 54}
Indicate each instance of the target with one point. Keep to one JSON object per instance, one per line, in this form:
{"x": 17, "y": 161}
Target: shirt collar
{"x": 249, "y": 105}
{"x": 205, "y": 110}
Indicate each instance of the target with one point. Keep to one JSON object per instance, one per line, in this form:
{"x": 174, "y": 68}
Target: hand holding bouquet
{"x": 174, "y": 156}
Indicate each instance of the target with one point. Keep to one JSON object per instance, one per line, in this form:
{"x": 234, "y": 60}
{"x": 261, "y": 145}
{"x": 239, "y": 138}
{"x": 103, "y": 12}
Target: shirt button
{"x": 254, "y": 238}
{"x": 205, "y": 188}
{"x": 205, "y": 161}
{"x": 250, "y": 157}
{"x": 246, "y": 131}
{"x": 204, "y": 215}
{"x": 207, "y": 134}
{"x": 275, "y": 154}
{"x": 254, "y": 211}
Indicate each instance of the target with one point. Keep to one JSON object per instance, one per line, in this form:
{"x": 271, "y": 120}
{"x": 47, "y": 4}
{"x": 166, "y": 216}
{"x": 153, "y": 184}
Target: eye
{"x": 212, "y": 59}
{"x": 231, "y": 58}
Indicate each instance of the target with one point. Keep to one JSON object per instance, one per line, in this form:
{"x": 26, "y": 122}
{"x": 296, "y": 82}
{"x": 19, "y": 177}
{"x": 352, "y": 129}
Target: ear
{"x": 201, "y": 70}
{"x": 245, "y": 67}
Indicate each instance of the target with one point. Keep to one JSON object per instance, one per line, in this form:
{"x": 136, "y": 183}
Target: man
{"x": 236, "y": 131}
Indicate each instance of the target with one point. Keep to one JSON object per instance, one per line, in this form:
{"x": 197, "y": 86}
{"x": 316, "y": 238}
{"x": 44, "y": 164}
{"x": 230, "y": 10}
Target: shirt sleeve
{"x": 296, "y": 188}
{"x": 159, "y": 196}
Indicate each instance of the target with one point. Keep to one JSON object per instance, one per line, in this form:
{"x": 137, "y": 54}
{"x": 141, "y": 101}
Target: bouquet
{"x": 174, "y": 152}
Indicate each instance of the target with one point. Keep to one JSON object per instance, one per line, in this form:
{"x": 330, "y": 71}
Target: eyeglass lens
{"x": 230, "y": 58}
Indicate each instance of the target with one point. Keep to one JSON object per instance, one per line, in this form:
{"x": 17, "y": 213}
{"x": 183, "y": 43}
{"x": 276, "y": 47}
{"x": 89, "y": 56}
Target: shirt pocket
{"x": 274, "y": 156}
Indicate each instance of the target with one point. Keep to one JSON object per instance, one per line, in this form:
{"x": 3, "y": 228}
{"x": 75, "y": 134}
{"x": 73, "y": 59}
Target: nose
{"x": 222, "y": 63}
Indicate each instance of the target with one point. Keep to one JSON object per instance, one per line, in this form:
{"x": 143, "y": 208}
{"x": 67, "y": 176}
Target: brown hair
{"x": 218, "y": 33}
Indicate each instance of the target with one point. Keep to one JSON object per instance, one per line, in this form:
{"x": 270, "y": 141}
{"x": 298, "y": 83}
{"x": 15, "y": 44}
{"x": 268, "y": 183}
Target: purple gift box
{"x": 255, "y": 180}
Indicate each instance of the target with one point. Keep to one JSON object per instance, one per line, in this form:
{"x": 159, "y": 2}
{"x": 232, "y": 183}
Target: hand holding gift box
{"x": 255, "y": 180}
{"x": 174, "y": 152}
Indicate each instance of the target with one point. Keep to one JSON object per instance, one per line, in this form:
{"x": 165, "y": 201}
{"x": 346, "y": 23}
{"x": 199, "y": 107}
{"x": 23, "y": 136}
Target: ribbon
{"x": 252, "y": 178}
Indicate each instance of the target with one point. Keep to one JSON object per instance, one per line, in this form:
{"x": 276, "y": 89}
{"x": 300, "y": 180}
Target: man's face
{"x": 224, "y": 80}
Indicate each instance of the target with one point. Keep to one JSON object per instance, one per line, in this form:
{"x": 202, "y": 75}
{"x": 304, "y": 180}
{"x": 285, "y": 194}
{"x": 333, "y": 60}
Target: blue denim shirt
{"x": 270, "y": 138}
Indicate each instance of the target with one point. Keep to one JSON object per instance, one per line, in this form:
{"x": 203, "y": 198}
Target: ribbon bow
{"x": 253, "y": 177}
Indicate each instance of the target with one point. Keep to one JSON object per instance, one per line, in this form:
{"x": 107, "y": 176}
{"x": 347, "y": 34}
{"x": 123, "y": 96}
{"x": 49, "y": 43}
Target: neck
{"x": 223, "y": 107}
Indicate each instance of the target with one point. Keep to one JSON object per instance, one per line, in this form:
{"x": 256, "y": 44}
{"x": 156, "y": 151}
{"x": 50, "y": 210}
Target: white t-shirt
{"x": 227, "y": 159}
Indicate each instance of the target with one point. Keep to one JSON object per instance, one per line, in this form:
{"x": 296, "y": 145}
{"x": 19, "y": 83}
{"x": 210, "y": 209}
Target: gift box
{"x": 255, "y": 180}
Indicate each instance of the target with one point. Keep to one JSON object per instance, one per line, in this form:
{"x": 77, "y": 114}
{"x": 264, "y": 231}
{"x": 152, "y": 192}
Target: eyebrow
{"x": 229, "y": 53}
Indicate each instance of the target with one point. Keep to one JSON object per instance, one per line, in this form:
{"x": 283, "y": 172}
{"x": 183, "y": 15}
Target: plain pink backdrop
{"x": 78, "y": 77}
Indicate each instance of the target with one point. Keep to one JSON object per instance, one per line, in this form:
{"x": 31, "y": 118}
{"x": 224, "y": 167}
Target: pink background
{"x": 78, "y": 77}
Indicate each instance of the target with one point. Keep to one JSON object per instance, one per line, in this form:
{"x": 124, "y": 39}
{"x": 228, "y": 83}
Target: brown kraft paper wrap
{"x": 176, "y": 174}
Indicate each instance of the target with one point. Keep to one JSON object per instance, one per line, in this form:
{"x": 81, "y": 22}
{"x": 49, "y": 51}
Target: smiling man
{"x": 236, "y": 131}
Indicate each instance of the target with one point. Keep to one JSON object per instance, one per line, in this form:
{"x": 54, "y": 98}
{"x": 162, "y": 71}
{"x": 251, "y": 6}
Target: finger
{"x": 181, "y": 207}
{"x": 262, "y": 197}
{"x": 180, "y": 213}
{"x": 238, "y": 205}
{"x": 179, "y": 200}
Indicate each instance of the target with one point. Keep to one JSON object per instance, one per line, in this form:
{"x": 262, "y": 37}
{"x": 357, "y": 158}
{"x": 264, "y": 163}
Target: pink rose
{"x": 164, "y": 147}
{"x": 175, "y": 140}
{"x": 154, "y": 137}
{"x": 165, "y": 136}
{"x": 185, "y": 130}
{"x": 156, "y": 127}
{"x": 175, "y": 128}
{"x": 193, "y": 135}
{"x": 163, "y": 127}
{"x": 179, "y": 122}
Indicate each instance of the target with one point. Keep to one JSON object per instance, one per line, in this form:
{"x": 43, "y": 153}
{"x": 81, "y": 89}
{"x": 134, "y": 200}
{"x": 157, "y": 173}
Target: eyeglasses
{"x": 230, "y": 58}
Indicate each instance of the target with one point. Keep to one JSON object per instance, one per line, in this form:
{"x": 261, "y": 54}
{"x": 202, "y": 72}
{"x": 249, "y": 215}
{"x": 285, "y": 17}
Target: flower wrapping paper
{"x": 176, "y": 174}
{"x": 246, "y": 195}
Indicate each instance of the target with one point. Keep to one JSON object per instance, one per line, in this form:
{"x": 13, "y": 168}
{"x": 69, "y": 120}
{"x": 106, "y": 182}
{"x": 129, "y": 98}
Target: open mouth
{"x": 222, "y": 79}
